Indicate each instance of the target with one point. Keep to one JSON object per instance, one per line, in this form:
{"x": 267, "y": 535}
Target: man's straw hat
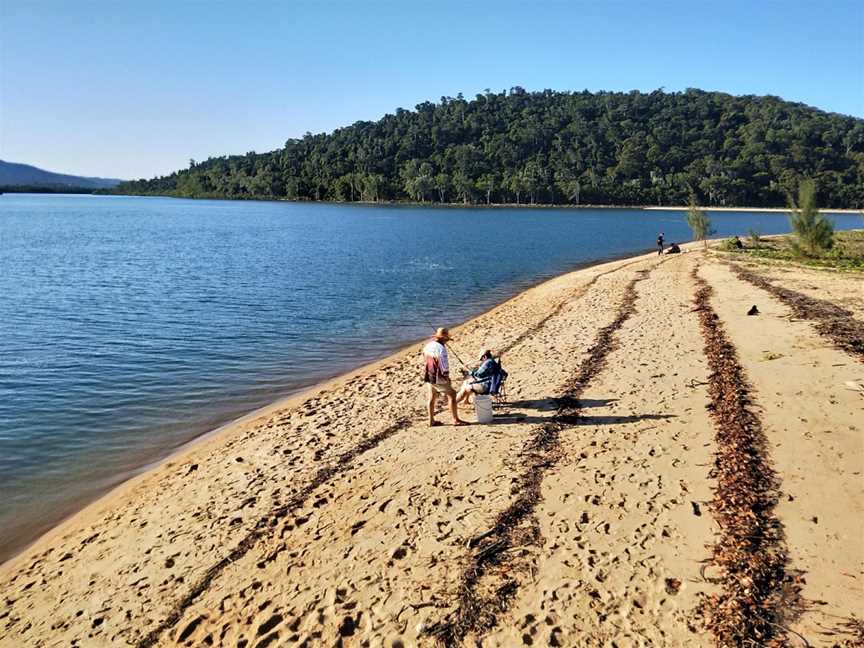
{"x": 442, "y": 334}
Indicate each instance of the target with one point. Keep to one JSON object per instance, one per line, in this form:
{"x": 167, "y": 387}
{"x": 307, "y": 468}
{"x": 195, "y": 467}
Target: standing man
{"x": 660, "y": 240}
{"x": 437, "y": 375}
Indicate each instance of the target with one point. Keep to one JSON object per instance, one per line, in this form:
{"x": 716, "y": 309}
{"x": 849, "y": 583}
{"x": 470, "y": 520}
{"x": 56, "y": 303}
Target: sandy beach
{"x": 666, "y": 471}
{"x": 779, "y": 210}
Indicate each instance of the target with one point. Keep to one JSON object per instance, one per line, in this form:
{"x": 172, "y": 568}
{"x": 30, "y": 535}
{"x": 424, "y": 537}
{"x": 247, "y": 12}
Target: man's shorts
{"x": 441, "y": 388}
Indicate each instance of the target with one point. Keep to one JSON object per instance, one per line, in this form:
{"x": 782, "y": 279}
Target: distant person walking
{"x": 660, "y": 240}
{"x": 437, "y": 375}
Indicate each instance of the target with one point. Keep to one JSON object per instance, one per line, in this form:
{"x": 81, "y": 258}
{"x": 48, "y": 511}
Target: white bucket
{"x": 483, "y": 408}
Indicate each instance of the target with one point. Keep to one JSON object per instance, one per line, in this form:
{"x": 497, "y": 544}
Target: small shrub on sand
{"x": 846, "y": 253}
{"x": 814, "y": 232}
{"x": 755, "y": 240}
{"x": 699, "y": 222}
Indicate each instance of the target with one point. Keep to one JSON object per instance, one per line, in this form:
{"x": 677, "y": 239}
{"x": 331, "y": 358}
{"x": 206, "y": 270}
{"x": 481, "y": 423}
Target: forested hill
{"x": 556, "y": 147}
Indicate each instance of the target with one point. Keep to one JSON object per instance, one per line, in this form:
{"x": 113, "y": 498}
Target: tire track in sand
{"x": 758, "y": 592}
{"x": 487, "y": 586}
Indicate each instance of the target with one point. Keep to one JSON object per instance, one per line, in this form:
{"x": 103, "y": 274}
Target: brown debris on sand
{"x": 489, "y": 581}
{"x": 854, "y": 630}
{"x": 750, "y": 553}
{"x": 831, "y": 321}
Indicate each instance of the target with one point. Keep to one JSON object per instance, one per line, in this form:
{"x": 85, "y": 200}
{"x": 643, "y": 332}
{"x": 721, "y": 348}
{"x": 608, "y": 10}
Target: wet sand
{"x": 779, "y": 210}
{"x": 586, "y": 513}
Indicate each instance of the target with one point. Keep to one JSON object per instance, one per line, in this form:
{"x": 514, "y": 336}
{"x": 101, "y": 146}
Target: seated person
{"x": 478, "y": 380}
{"x": 673, "y": 249}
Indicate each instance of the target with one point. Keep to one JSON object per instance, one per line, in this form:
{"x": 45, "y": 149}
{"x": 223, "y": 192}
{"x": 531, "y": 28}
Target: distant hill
{"x": 13, "y": 174}
{"x": 550, "y": 147}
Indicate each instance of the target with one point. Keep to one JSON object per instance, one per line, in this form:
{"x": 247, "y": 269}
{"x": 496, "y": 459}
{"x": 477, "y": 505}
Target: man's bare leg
{"x": 453, "y": 409}
{"x": 431, "y": 405}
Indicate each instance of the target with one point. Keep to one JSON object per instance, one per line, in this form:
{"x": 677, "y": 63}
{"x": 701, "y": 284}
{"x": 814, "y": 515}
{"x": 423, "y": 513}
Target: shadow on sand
{"x": 550, "y": 405}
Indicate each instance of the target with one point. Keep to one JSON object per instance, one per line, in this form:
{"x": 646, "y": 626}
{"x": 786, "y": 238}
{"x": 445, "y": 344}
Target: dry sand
{"x": 846, "y": 293}
{"x": 779, "y": 210}
{"x": 341, "y": 518}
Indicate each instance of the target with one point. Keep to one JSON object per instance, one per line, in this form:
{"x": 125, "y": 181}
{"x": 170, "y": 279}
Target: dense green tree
{"x": 487, "y": 184}
{"x": 342, "y": 188}
{"x": 443, "y": 185}
{"x": 556, "y": 148}
{"x": 534, "y": 176}
{"x": 464, "y": 187}
{"x": 516, "y": 184}
{"x": 371, "y": 186}
{"x": 425, "y": 181}
{"x": 409, "y": 174}
{"x": 569, "y": 183}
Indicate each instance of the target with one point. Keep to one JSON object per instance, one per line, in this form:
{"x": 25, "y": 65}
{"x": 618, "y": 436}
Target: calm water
{"x": 130, "y": 325}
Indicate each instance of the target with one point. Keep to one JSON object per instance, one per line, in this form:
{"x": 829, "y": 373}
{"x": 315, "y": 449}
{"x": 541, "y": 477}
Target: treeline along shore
{"x": 45, "y": 189}
{"x": 562, "y": 148}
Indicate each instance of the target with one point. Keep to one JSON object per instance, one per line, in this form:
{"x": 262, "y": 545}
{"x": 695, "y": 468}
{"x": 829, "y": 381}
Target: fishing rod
{"x": 462, "y": 362}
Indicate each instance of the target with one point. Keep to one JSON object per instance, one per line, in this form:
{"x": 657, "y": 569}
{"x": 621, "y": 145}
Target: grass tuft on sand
{"x": 846, "y": 254}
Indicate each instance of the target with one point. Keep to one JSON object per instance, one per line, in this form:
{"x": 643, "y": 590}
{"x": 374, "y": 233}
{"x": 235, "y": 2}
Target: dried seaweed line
{"x": 854, "y": 628}
{"x": 750, "y": 551}
{"x": 487, "y": 586}
{"x": 266, "y": 526}
{"x": 830, "y": 320}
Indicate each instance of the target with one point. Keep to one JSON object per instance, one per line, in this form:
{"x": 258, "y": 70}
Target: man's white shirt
{"x": 434, "y": 349}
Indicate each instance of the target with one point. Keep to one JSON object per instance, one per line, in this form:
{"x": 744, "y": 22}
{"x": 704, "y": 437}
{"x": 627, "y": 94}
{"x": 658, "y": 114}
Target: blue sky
{"x": 133, "y": 89}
